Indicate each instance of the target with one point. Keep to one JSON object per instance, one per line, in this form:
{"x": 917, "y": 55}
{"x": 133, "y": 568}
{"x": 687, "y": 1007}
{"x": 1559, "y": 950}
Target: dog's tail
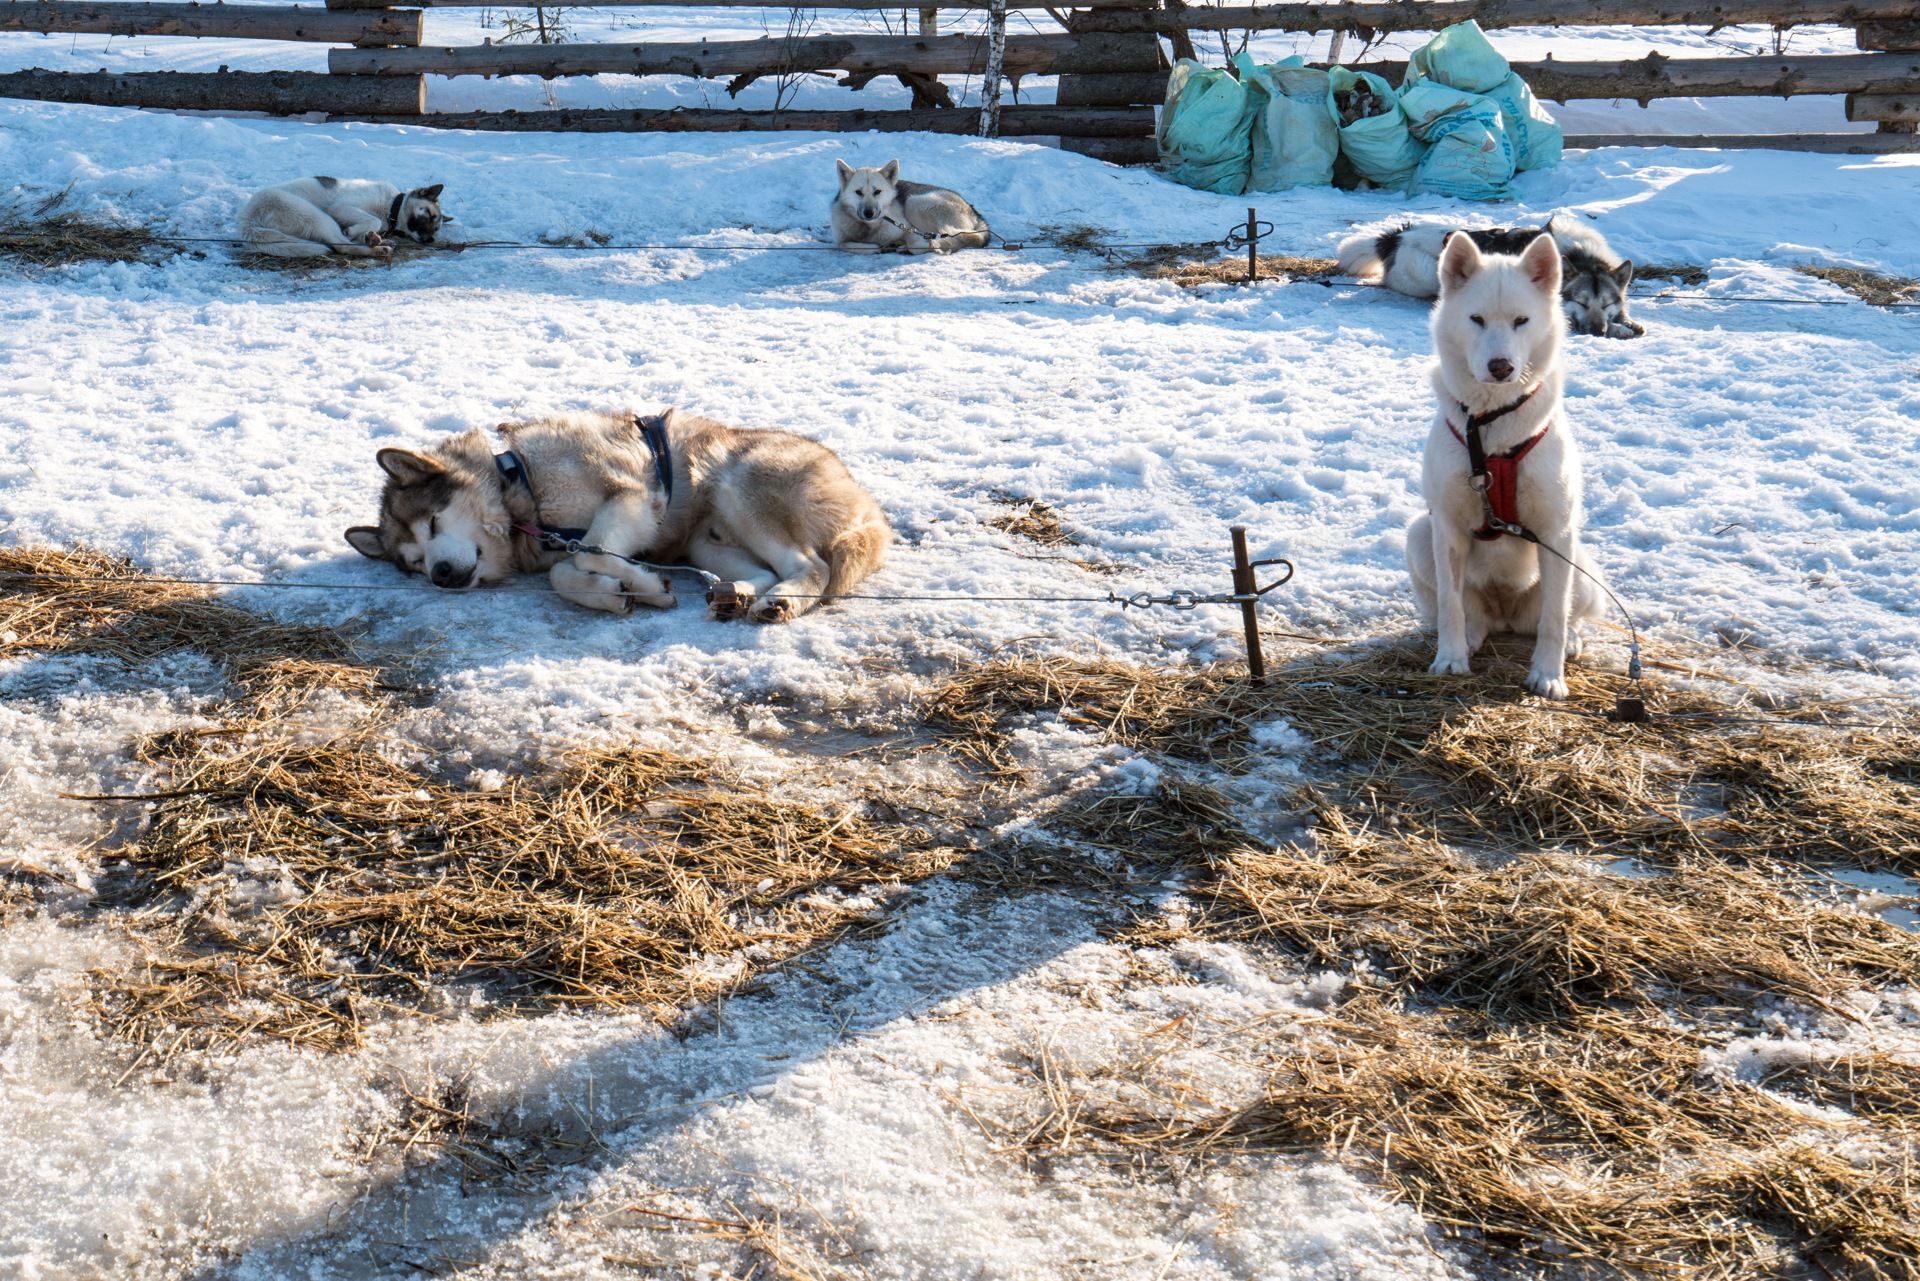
{"x": 1365, "y": 255}
{"x": 856, "y": 553}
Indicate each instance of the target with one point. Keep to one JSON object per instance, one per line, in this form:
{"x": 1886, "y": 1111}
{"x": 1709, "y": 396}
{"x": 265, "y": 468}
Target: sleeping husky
{"x": 313, "y": 217}
{"x": 776, "y": 514}
{"x": 875, "y": 212}
{"x": 1593, "y": 279}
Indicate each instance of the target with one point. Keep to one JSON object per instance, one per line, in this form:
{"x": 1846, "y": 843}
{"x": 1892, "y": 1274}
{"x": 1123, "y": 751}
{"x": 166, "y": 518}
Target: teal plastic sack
{"x": 1536, "y": 137}
{"x": 1460, "y": 57}
{"x": 1295, "y": 141}
{"x": 1468, "y": 153}
{"x": 1204, "y": 130}
{"x": 1379, "y": 149}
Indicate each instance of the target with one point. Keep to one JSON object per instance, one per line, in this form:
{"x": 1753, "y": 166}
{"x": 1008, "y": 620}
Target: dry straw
{"x": 47, "y": 236}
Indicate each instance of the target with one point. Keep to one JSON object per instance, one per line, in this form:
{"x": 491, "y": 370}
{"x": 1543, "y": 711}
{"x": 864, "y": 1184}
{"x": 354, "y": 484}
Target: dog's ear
{"x": 1623, "y": 274}
{"x": 406, "y": 467}
{"x": 365, "y": 539}
{"x": 1459, "y": 262}
{"x": 1541, "y": 261}
{"x": 431, "y": 193}
{"x": 890, "y": 171}
{"x": 845, "y": 170}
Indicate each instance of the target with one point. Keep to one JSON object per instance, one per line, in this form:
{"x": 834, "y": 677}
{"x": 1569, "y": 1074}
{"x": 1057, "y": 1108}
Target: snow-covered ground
{"x": 1750, "y": 471}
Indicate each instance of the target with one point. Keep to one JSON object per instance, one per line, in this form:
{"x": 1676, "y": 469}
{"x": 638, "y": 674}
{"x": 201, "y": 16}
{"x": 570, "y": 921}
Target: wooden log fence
{"x": 1110, "y": 61}
{"x": 279, "y": 93}
{"x": 232, "y": 21}
{"x": 1048, "y": 55}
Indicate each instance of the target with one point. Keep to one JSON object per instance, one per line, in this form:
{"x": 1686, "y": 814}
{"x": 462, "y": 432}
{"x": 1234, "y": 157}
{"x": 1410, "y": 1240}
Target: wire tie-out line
{"x": 1179, "y": 599}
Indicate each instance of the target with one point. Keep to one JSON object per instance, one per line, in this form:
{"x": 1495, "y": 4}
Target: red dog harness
{"x": 1496, "y": 477}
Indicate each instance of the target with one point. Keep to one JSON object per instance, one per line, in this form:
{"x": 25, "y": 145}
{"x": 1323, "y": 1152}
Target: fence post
{"x": 1244, "y": 586}
{"x": 996, "y": 60}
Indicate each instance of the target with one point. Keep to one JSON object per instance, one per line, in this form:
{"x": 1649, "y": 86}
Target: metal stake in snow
{"x": 1247, "y": 594}
{"x": 996, "y": 59}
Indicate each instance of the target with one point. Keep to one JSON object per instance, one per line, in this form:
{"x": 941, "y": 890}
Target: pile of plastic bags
{"x": 1461, "y": 124}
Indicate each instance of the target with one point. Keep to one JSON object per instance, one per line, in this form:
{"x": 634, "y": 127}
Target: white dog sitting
{"x": 875, "y": 211}
{"x": 313, "y": 217}
{"x": 1502, "y": 469}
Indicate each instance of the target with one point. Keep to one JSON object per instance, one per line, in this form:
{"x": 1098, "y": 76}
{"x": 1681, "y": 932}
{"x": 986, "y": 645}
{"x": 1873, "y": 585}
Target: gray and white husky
{"x": 775, "y": 514}
{"x": 875, "y": 212}
{"x": 1593, "y": 279}
{"x": 312, "y": 217}
{"x": 1496, "y": 333}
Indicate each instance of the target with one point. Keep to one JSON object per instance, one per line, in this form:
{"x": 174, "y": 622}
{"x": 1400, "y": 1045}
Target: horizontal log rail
{"x": 277, "y": 93}
{"x": 1842, "y": 144}
{"x": 884, "y": 55}
{"x": 1890, "y": 108}
{"x": 1900, "y": 35}
{"x": 733, "y": 4}
{"x": 1431, "y": 15}
{"x": 229, "y": 21}
{"x": 1023, "y": 120}
{"x": 1655, "y": 76}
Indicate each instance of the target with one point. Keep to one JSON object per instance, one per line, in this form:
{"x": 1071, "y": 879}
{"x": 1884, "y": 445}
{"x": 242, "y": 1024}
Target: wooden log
{"x": 229, "y": 21}
{"x": 729, "y": 4}
{"x": 1901, "y": 108}
{"x": 1115, "y": 151}
{"x": 1844, "y": 144}
{"x": 1023, "y": 120}
{"x": 277, "y": 93}
{"x": 1903, "y": 36}
{"x": 883, "y": 55}
{"x": 1431, "y": 15}
{"x": 1657, "y": 76}
{"x": 1110, "y": 89}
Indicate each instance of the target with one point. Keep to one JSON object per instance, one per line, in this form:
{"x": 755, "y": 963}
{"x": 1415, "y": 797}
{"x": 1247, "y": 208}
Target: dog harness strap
{"x": 513, "y": 473}
{"x": 393, "y": 212}
{"x": 1497, "y": 479}
{"x": 653, "y": 430}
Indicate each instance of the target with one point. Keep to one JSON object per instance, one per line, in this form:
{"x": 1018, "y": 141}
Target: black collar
{"x": 393, "y": 212}
{"x": 1476, "y": 451}
{"x": 653, "y": 430}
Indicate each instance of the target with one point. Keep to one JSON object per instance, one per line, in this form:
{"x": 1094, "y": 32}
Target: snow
{"x": 1750, "y": 476}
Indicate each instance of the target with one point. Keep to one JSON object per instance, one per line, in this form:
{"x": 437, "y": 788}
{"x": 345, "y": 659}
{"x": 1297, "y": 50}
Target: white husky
{"x": 313, "y": 217}
{"x": 1496, "y": 331}
{"x": 578, "y": 494}
{"x": 875, "y": 211}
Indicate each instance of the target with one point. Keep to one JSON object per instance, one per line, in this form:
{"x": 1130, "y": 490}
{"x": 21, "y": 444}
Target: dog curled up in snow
{"x": 876, "y": 212}
{"x": 1593, "y": 279}
{"x": 1501, "y": 469}
{"x": 313, "y": 217}
{"x": 776, "y": 515}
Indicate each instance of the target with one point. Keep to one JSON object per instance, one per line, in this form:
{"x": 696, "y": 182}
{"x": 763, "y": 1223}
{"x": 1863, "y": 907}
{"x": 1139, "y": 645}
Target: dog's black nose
{"x": 1500, "y": 368}
{"x": 447, "y": 574}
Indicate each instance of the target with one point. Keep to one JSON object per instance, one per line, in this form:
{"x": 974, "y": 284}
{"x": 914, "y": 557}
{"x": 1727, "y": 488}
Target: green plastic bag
{"x": 1205, "y": 130}
{"x": 1460, "y": 57}
{"x": 1468, "y": 155}
{"x": 1536, "y": 137}
{"x": 1295, "y": 141}
{"x": 1380, "y": 148}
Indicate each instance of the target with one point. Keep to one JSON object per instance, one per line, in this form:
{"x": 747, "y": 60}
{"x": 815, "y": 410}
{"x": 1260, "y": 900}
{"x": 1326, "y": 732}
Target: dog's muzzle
{"x": 868, "y": 213}
{"x": 445, "y": 573}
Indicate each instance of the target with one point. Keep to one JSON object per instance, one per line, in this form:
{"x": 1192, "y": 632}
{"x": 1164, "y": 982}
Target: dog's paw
{"x": 378, "y": 247}
{"x": 653, "y": 600}
{"x": 859, "y": 248}
{"x": 1626, "y": 329}
{"x": 1575, "y": 645}
{"x": 1547, "y": 684}
{"x": 774, "y": 609}
{"x": 1450, "y": 665}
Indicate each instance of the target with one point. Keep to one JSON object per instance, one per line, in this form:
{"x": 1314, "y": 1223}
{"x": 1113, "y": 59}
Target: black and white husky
{"x": 313, "y": 217}
{"x": 1593, "y": 279}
